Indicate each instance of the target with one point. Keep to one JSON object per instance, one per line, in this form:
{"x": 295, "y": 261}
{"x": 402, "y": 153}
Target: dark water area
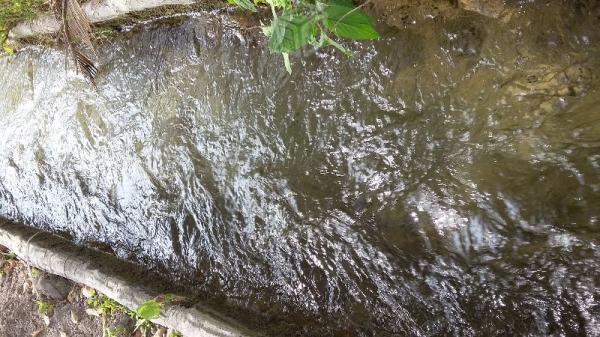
{"x": 445, "y": 180}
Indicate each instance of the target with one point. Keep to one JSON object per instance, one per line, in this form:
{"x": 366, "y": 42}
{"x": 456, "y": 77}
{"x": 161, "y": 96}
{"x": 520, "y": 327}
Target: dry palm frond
{"x": 76, "y": 35}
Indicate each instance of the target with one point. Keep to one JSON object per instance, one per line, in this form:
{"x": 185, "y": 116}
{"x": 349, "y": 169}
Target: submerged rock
{"x": 491, "y": 8}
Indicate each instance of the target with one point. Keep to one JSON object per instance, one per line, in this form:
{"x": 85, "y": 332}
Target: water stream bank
{"x": 108, "y": 10}
{"x": 121, "y": 281}
{"x": 444, "y": 180}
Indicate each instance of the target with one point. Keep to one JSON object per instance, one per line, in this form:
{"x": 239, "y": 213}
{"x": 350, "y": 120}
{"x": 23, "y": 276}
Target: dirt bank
{"x": 20, "y": 300}
{"x": 114, "y": 13}
{"x": 37, "y": 304}
{"x": 129, "y": 285}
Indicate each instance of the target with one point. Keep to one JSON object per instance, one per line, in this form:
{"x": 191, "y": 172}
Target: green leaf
{"x": 349, "y": 22}
{"x": 245, "y": 4}
{"x": 149, "y": 310}
{"x": 291, "y": 32}
{"x": 334, "y": 43}
{"x": 347, "y": 3}
{"x": 279, "y": 3}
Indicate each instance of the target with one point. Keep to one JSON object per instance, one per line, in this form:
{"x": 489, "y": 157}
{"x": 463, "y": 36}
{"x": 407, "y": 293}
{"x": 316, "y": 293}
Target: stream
{"x": 444, "y": 180}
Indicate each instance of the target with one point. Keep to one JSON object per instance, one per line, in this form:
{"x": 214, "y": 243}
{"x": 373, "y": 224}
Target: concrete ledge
{"x": 120, "y": 280}
{"x": 97, "y": 11}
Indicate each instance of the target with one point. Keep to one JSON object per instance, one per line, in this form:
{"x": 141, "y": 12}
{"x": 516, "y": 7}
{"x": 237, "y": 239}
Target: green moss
{"x": 117, "y": 331}
{"x": 174, "y": 334}
{"x": 13, "y": 11}
{"x": 43, "y": 307}
{"x": 104, "y": 305}
{"x": 35, "y": 273}
{"x": 11, "y": 256}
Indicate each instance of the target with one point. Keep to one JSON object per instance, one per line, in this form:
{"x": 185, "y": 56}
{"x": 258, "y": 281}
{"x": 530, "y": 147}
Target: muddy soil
{"x": 19, "y": 315}
{"x": 68, "y": 316}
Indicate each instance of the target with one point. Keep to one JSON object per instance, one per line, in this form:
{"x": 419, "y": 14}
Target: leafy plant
{"x": 143, "y": 315}
{"x": 149, "y": 310}
{"x": 43, "y": 307}
{"x": 306, "y": 22}
{"x": 245, "y": 4}
{"x": 105, "y": 305}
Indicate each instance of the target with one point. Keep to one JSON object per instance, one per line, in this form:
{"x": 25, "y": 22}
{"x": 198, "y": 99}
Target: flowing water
{"x": 445, "y": 180}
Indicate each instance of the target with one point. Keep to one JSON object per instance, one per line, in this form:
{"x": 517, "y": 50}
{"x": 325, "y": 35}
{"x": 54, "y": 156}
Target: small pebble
{"x": 37, "y": 333}
{"x": 74, "y": 317}
{"x": 52, "y": 286}
{"x": 25, "y": 287}
{"x": 74, "y": 295}
{"x": 87, "y": 292}
{"x": 92, "y": 312}
{"x": 161, "y": 332}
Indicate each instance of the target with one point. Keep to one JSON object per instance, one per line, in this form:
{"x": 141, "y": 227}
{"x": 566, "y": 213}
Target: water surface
{"x": 445, "y": 180}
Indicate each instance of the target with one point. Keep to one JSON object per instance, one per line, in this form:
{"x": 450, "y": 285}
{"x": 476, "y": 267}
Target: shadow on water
{"x": 443, "y": 181}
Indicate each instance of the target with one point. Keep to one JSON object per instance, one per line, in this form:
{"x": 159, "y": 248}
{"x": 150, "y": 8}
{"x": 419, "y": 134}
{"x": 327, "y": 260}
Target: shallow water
{"x": 445, "y": 180}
